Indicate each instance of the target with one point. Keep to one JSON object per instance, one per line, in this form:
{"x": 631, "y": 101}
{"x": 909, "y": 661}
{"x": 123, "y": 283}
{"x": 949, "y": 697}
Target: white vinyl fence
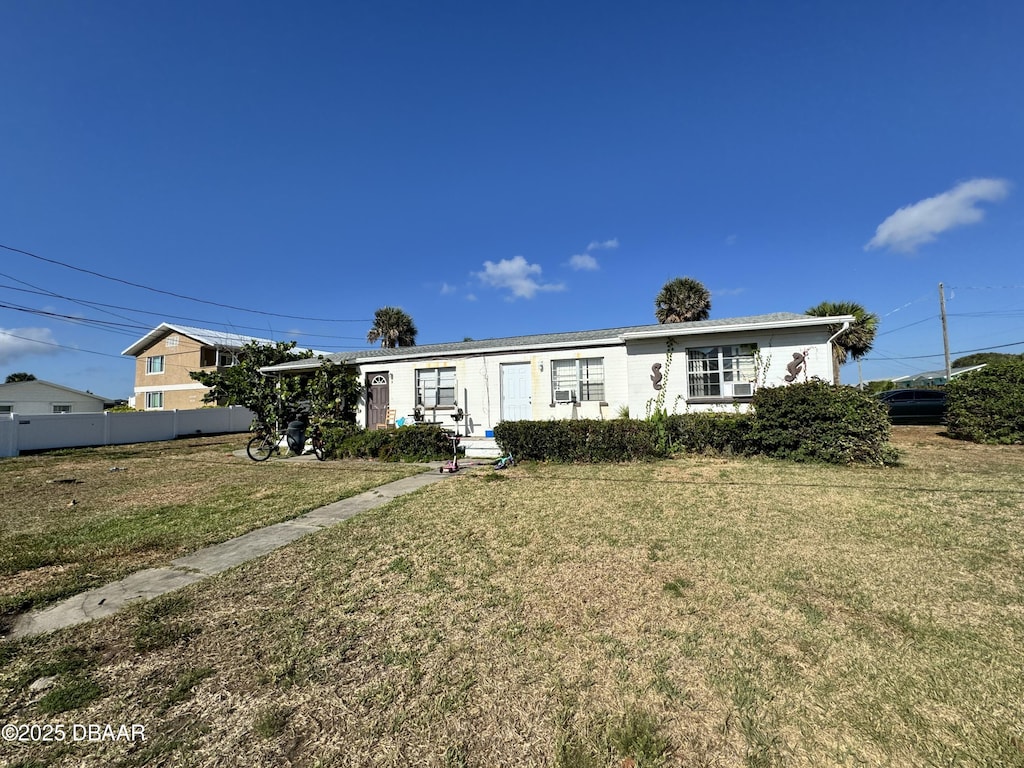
{"x": 36, "y": 432}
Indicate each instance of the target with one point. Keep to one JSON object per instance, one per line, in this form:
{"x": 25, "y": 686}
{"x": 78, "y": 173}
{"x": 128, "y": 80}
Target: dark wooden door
{"x": 377, "y": 399}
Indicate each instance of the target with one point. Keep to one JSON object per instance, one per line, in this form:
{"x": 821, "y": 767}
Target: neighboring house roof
{"x": 9, "y": 391}
{"x": 217, "y": 339}
{"x": 606, "y": 336}
{"x": 939, "y": 374}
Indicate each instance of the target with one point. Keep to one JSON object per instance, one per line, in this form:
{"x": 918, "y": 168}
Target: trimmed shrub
{"x": 421, "y": 443}
{"x": 987, "y": 405}
{"x": 580, "y": 440}
{"x": 335, "y": 434}
{"x": 725, "y": 433}
{"x": 815, "y": 421}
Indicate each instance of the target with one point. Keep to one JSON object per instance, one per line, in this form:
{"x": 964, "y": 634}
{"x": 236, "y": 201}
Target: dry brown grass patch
{"x": 743, "y": 613}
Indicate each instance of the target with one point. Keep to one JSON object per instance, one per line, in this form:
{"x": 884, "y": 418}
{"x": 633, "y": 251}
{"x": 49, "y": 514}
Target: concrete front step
{"x": 480, "y": 447}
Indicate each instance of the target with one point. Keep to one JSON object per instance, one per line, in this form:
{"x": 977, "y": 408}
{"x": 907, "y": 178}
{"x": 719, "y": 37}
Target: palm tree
{"x": 393, "y": 328}
{"x": 15, "y": 377}
{"x": 682, "y": 300}
{"x": 856, "y": 340}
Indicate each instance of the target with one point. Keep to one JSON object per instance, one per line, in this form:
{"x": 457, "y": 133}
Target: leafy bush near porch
{"x": 724, "y": 433}
{"x": 987, "y": 405}
{"x": 335, "y": 434}
{"x": 421, "y": 443}
{"x": 580, "y": 440}
{"x": 815, "y": 421}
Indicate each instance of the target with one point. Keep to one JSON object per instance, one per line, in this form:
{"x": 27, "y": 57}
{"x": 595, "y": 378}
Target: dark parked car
{"x": 915, "y": 406}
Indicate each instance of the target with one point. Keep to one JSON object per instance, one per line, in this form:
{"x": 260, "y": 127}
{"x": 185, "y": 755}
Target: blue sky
{"x": 284, "y": 169}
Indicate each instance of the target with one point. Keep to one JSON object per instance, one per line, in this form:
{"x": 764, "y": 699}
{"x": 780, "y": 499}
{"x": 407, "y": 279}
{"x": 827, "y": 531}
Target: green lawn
{"x": 695, "y": 612}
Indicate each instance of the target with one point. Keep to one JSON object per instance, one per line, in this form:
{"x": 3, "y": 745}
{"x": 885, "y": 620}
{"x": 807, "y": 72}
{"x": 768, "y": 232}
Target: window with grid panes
{"x": 727, "y": 371}
{"x": 584, "y": 376}
{"x": 435, "y": 387}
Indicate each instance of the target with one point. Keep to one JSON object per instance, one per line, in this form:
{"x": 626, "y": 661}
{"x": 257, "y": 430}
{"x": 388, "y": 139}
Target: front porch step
{"x": 480, "y": 448}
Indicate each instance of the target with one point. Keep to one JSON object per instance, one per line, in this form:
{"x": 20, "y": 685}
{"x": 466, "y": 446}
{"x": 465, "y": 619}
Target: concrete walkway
{"x": 145, "y": 585}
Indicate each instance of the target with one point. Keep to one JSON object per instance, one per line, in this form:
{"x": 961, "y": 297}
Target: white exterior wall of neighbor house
{"x": 38, "y": 397}
{"x": 775, "y": 352}
{"x": 478, "y": 386}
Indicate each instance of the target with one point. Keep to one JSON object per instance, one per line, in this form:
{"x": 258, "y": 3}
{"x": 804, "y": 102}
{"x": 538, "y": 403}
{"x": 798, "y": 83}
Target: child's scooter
{"x": 453, "y": 465}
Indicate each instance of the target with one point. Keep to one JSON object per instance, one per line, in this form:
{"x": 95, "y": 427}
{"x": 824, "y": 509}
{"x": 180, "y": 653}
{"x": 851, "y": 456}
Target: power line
{"x": 172, "y": 293}
{"x": 941, "y": 354}
{"x": 204, "y": 323}
{"x": 105, "y": 325}
{"x": 909, "y": 325}
{"x": 44, "y": 292}
{"x": 10, "y": 335}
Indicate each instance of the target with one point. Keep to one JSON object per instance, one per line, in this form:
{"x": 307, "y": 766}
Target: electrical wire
{"x": 172, "y": 293}
{"x": 942, "y": 354}
{"x": 189, "y": 320}
{"x": 10, "y": 335}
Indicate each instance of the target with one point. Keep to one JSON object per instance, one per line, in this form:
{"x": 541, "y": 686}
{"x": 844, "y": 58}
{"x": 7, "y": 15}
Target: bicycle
{"x": 267, "y": 441}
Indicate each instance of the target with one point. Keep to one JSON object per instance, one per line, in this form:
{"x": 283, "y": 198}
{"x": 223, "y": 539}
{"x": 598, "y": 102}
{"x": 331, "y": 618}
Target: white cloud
{"x": 16, "y": 343}
{"x": 447, "y": 290}
{"x": 606, "y": 245}
{"x": 583, "y": 261}
{"x": 921, "y": 222}
{"x": 516, "y": 275}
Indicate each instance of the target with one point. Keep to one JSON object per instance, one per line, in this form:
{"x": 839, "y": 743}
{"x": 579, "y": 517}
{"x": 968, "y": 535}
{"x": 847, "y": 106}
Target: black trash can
{"x": 296, "y": 436}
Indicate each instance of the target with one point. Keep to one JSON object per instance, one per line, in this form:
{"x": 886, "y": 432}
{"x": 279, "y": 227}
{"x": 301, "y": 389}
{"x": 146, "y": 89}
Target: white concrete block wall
{"x": 478, "y": 386}
{"x": 627, "y": 370}
{"x": 776, "y": 353}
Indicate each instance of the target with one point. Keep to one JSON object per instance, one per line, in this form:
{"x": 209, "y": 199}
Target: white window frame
{"x": 722, "y": 372}
{"x": 436, "y": 388}
{"x": 584, "y": 376}
{"x": 61, "y": 407}
{"x": 6, "y": 408}
{"x": 152, "y": 365}
{"x": 154, "y": 401}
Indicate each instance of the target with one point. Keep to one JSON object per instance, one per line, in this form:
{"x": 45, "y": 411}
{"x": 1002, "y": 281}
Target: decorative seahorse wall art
{"x": 656, "y": 376}
{"x": 794, "y": 368}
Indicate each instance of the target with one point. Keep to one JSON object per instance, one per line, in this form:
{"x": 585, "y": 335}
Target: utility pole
{"x": 945, "y": 331}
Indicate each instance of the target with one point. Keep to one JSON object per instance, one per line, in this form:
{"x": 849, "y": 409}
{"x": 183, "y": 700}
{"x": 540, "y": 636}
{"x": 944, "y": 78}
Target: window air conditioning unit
{"x": 742, "y": 390}
{"x": 565, "y": 396}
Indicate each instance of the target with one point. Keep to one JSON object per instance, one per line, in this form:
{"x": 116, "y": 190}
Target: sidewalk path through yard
{"x": 145, "y": 585}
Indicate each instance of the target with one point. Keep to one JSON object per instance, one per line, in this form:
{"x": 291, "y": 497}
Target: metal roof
{"x": 939, "y": 374}
{"x": 217, "y": 339}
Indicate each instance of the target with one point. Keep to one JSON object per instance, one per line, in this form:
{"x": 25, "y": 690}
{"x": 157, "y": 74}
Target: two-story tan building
{"x": 166, "y": 356}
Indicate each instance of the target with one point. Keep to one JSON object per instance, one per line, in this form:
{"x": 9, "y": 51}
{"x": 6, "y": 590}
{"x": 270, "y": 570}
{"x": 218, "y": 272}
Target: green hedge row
{"x": 810, "y": 421}
{"x": 581, "y": 440}
{"x": 987, "y": 405}
{"x": 421, "y": 443}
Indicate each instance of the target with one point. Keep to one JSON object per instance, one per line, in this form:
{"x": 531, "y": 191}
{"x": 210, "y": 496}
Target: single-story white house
{"x": 37, "y": 396}
{"x": 701, "y": 365}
